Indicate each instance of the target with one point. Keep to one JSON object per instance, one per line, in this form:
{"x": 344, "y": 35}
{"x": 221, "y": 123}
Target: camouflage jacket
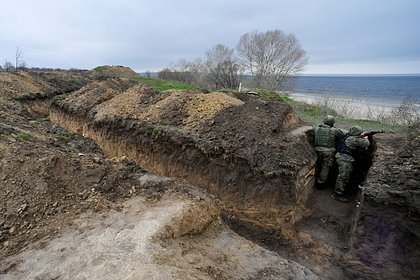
{"x": 352, "y": 147}
{"x": 325, "y": 137}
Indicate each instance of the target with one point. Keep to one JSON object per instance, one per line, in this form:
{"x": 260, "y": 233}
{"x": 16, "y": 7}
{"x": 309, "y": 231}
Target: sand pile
{"x": 188, "y": 110}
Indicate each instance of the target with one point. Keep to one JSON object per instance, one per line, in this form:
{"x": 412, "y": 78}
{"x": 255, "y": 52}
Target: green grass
{"x": 271, "y": 95}
{"x": 100, "y": 70}
{"x": 24, "y": 136}
{"x": 65, "y": 138}
{"x": 43, "y": 120}
{"x": 162, "y": 85}
{"x": 313, "y": 114}
{"x": 368, "y": 125}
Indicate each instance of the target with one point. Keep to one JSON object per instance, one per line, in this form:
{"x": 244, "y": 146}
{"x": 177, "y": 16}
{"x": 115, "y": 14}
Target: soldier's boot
{"x": 339, "y": 197}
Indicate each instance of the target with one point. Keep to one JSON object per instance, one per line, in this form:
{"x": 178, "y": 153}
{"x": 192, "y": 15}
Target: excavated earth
{"x": 104, "y": 178}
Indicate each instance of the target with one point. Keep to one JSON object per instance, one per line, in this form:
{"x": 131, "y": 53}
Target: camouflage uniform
{"x": 348, "y": 148}
{"x": 325, "y": 135}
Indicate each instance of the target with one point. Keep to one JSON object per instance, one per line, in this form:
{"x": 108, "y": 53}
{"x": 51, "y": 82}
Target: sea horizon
{"x": 359, "y": 75}
{"x": 384, "y": 87}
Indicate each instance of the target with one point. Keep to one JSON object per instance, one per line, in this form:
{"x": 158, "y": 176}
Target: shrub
{"x": 271, "y": 95}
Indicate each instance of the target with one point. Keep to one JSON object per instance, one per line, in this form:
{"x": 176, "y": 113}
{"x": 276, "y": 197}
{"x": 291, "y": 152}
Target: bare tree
{"x": 192, "y": 72}
{"x": 18, "y": 58}
{"x": 223, "y": 70}
{"x": 148, "y": 74}
{"x": 8, "y": 66}
{"x": 23, "y": 66}
{"x": 271, "y": 57}
{"x": 186, "y": 72}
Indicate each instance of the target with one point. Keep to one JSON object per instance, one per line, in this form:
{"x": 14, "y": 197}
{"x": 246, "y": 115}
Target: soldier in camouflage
{"x": 325, "y": 139}
{"x": 348, "y": 150}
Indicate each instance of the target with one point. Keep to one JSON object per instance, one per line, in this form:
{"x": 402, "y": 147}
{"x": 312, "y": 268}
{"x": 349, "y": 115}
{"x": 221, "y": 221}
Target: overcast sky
{"x": 340, "y": 37}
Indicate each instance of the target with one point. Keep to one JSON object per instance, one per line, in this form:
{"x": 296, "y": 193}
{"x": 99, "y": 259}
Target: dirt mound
{"x": 35, "y": 85}
{"x": 37, "y": 88}
{"x": 81, "y": 101}
{"x": 186, "y": 110}
{"x": 239, "y": 146}
{"x": 21, "y": 83}
{"x": 250, "y": 127}
{"x": 114, "y": 72}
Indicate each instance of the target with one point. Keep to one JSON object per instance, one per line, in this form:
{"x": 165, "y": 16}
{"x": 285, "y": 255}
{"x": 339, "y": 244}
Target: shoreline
{"x": 354, "y": 107}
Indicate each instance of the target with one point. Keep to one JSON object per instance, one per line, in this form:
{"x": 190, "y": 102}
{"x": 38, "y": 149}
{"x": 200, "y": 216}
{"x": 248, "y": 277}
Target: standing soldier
{"x": 348, "y": 150}
{"x": 325, "y": 137}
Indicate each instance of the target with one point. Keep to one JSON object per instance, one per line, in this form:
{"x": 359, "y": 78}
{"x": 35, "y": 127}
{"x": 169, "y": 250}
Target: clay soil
{"x": 69, "y": 210}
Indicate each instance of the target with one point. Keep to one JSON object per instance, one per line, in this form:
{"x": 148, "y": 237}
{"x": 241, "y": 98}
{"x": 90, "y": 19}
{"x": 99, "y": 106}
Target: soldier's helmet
{"x": 329, "y": 120}
{"x": 355, "y": 130}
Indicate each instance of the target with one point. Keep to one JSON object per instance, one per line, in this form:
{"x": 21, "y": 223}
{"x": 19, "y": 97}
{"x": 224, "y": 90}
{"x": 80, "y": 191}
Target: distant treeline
{"x": 261, "y": 60}
{"x": 8, "y": 68}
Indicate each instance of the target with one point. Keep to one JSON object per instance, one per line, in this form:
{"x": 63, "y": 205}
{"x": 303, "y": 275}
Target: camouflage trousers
{"x": 345, "y": 168}
{"x": 326, "y": 161}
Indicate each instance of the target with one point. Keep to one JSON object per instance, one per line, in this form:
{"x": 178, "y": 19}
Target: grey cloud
{"x": 152, "y": 34}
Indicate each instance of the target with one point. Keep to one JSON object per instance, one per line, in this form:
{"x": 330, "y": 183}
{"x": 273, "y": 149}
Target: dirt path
{"x": 133, "y": 244}
{"x": 331, "y": 220}
{"x": 102, "y": 246}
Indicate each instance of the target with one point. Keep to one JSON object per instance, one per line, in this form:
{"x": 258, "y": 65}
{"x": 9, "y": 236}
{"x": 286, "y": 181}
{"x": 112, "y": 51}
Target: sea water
{"x": 385, "y": 90}
{"x": 382, "y": 87}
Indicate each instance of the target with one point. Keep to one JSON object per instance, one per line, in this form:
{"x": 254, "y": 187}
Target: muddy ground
{"x": 242, "y": 205}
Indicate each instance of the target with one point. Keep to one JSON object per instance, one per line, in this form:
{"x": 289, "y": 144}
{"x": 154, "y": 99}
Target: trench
{"x": 322, "y": 241}
{"x": 271, "y": 216}
{"x": 267, "y": 201}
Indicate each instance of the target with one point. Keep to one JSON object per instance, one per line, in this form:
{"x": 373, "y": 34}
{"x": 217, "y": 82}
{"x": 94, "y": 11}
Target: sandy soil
{"x": 349, "y": 106}
{"x": 137, "y": 242}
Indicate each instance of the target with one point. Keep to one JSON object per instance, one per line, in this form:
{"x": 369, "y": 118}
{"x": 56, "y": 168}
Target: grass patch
{"x": 43, "y": 120}
{"x": 368, "y": 125}
{"x": 271, "y": 95}
{"x": 314, "y": 114}
{"x": 162, "y": 85}
{"x": 100, "y": 70}
{"x": 25, "y": 136}
{"x": 64, "y": 138}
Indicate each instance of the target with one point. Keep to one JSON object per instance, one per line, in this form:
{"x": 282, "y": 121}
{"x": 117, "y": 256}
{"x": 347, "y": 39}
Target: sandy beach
{"x": 353, "y": 107}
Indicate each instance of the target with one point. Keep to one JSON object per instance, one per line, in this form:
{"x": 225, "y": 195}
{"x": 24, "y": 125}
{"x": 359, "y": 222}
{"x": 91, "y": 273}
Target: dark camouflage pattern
{"x": 325, "y": 137}
{"x": 345, "y": 162}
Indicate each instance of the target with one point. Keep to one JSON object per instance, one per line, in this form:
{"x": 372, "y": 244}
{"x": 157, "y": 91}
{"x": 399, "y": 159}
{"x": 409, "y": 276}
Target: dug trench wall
{"x": 265, "y": 196}
{"x": 385, "y": 238}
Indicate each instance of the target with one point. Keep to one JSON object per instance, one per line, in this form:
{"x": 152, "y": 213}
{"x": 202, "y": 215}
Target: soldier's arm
{"x": 338, "y": 132}
{"x": 362, "y": 143}
{"x": 357, "y": 142}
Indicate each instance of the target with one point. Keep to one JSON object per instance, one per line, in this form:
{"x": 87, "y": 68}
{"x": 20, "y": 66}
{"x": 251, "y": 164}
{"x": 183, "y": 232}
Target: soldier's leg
{"x": 345, "y": 169}
{"x": 327, "y": 163}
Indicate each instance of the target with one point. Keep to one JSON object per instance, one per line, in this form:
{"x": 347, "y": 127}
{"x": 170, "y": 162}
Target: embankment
{"x": 238, "y": 147}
